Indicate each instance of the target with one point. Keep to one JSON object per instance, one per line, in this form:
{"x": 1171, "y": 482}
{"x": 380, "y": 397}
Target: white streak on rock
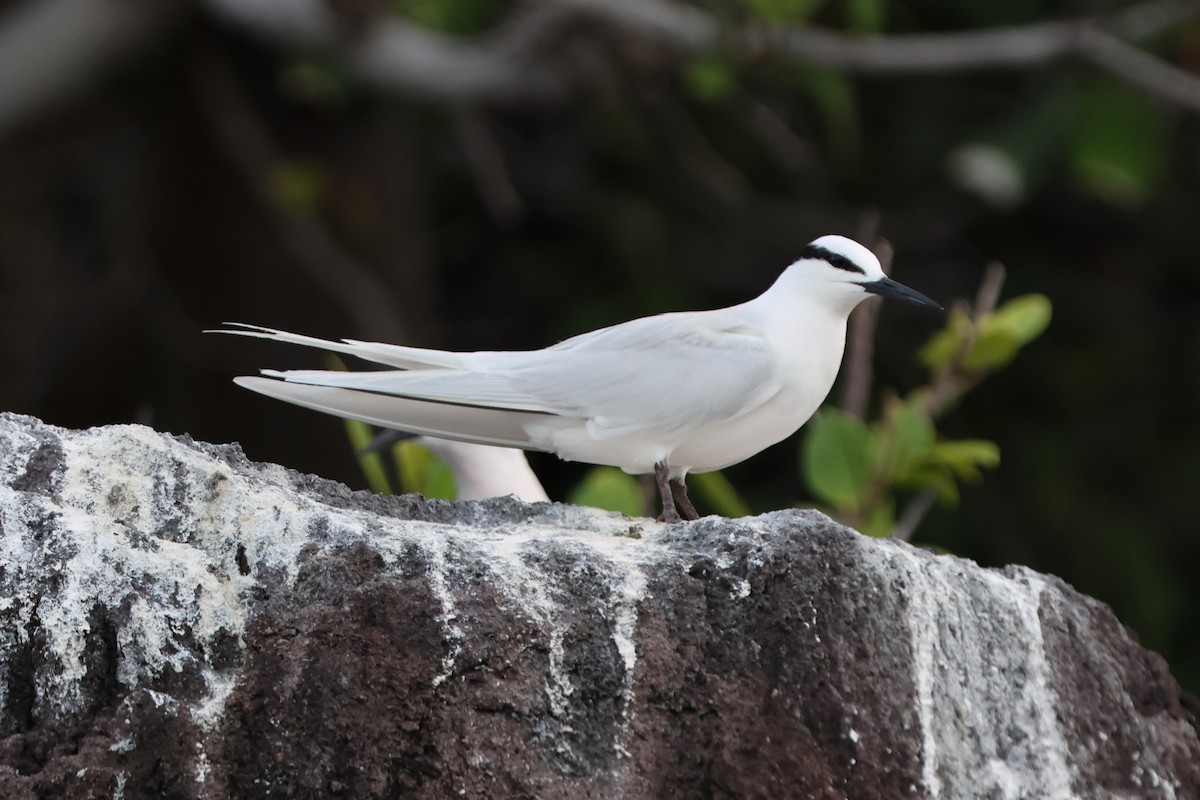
{"x": 626, "y": 559}
{"x": 528, "y": 588}
{"x": 435, "y": 551}
{"x": 955, "y": 666}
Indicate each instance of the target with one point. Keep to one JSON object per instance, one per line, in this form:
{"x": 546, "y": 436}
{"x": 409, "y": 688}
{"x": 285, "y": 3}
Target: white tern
{"x": 675, "y": 393}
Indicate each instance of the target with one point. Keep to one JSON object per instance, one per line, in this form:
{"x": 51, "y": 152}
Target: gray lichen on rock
{"x": 181, "y": 622}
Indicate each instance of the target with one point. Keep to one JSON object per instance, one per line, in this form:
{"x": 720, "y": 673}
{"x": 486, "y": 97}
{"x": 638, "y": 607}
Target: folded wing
{"x": 664, "y": 376}
{"x": 445, "y": 420}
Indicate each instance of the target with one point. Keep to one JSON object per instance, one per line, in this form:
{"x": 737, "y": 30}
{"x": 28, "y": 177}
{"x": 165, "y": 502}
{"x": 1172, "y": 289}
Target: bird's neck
{"x": 792, "y": 301}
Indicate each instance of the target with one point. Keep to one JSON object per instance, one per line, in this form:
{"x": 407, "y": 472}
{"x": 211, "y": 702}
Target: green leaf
{"x": 965, "y": 456}
{"x": 837, "y": 459}
{"x": 314, "y": 81}
{"x": 905, "y": 436}
{"x": 1120, "y": 146}
{"x": 995, "y": 347}
{"x": 784, "y": 10}
{"x": 866, "y": 16}
{"x": 360, "y": 435}
{"x": 716, "y": 493}
{"x": 439, "y": 481}
{"x": 297, "y": 186}
{"x": 938, "y": 478}
{"x": 1027, "y": 316}
{"x": 710, "y": 78}
{"x": 941, "y": 349}
{"x": 421, "y": 472}
{"x": 1004, "y": 331}
{"x": 612, "y": 490}
{"x": 881, "y": 521}
{"x": 453, "y": 16}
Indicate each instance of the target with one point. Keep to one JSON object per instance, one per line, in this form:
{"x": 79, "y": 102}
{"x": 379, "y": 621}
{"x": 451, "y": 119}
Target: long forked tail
{"x": 393, "y": 355}
{"x": 480, "y": 425}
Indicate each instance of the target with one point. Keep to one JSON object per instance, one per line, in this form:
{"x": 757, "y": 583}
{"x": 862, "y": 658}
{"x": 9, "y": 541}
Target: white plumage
{"x": 668, "y": 394}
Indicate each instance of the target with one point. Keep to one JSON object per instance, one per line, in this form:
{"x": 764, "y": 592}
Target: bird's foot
{"x": 662, "y": 477}
{"x": 680, "y": 494}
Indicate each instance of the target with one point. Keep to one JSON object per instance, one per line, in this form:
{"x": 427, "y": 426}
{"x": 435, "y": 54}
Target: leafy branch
{"x": 858, "y": 468}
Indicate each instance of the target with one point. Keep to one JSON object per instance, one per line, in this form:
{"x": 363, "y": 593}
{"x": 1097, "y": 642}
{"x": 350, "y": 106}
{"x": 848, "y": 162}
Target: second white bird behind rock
{"x": 670, "y": 394}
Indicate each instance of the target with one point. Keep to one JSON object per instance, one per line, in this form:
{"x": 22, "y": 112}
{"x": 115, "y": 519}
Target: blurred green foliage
{"x": 858, "y": 468}
{"x": 610, "y": 489}
{"x": 452, "y": 16}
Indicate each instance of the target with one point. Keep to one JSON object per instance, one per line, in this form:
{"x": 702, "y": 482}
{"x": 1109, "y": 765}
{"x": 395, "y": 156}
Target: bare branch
{"x": 860, "y": 340}
{"x": 486, "y": 160}
{"x": 50, "y": 49}
{"x": 1024, "y": 46}
{"x": 1142, "y": 69}
{"x": 686, "y": 27}
{"x": 504, "y": 67}
{"x": 529, "y": 27}
{"x": 951, "y": 381}
{"x": 399, "y": 56}
{"x": 914, "y": 512}
{"x": 689, "y": 144}
{"x": 773, "y": 131}
{"x": 988, "y": 295}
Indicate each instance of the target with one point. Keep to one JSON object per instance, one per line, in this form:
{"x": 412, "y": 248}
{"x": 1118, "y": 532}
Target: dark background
{"x": 200, "y": 168}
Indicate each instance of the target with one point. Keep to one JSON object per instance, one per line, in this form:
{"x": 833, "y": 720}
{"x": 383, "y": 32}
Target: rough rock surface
{"x": 178, "y": 622}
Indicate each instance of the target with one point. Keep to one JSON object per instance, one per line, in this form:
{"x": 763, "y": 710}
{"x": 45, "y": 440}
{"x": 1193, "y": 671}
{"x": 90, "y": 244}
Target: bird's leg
{"x": 679, "y": 491}
{"x": 662, "y": 475}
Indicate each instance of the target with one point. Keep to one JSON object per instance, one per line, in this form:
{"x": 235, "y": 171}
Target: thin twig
{"x": 791, "y": 151}
{"x": 951, "y": 381}
{"x": 689, "y": 144}
{"x": 486, "y": 160}
{"x": 988, "y": 296}
{"x": 860, "y": 336}
{"x": 910, "y": 519}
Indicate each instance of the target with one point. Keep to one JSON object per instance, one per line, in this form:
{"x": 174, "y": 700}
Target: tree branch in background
{"x": 1013, "y": 47}
{"x": 1142, "y": 69}
{"x": 363, "y": 297}
{"x": 51, "y": 49}
{"x": 860, "y": 339}
{"x": 675, "y": 123}
{"x": 913, "y": 513}
{"x": 401, "y": 56}
{"x": 486, "y": 160}
{"x": 950, "y": 382}
{"x": 1096, "y": 39}
{"x": 791, "y": 151}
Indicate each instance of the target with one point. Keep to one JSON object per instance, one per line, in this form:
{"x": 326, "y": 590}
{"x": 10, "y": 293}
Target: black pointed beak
{"x": 886, "y": 287}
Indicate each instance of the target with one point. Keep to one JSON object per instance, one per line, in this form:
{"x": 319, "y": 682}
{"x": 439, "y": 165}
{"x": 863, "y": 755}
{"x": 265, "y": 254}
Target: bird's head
{"x": 844, "y": 272}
